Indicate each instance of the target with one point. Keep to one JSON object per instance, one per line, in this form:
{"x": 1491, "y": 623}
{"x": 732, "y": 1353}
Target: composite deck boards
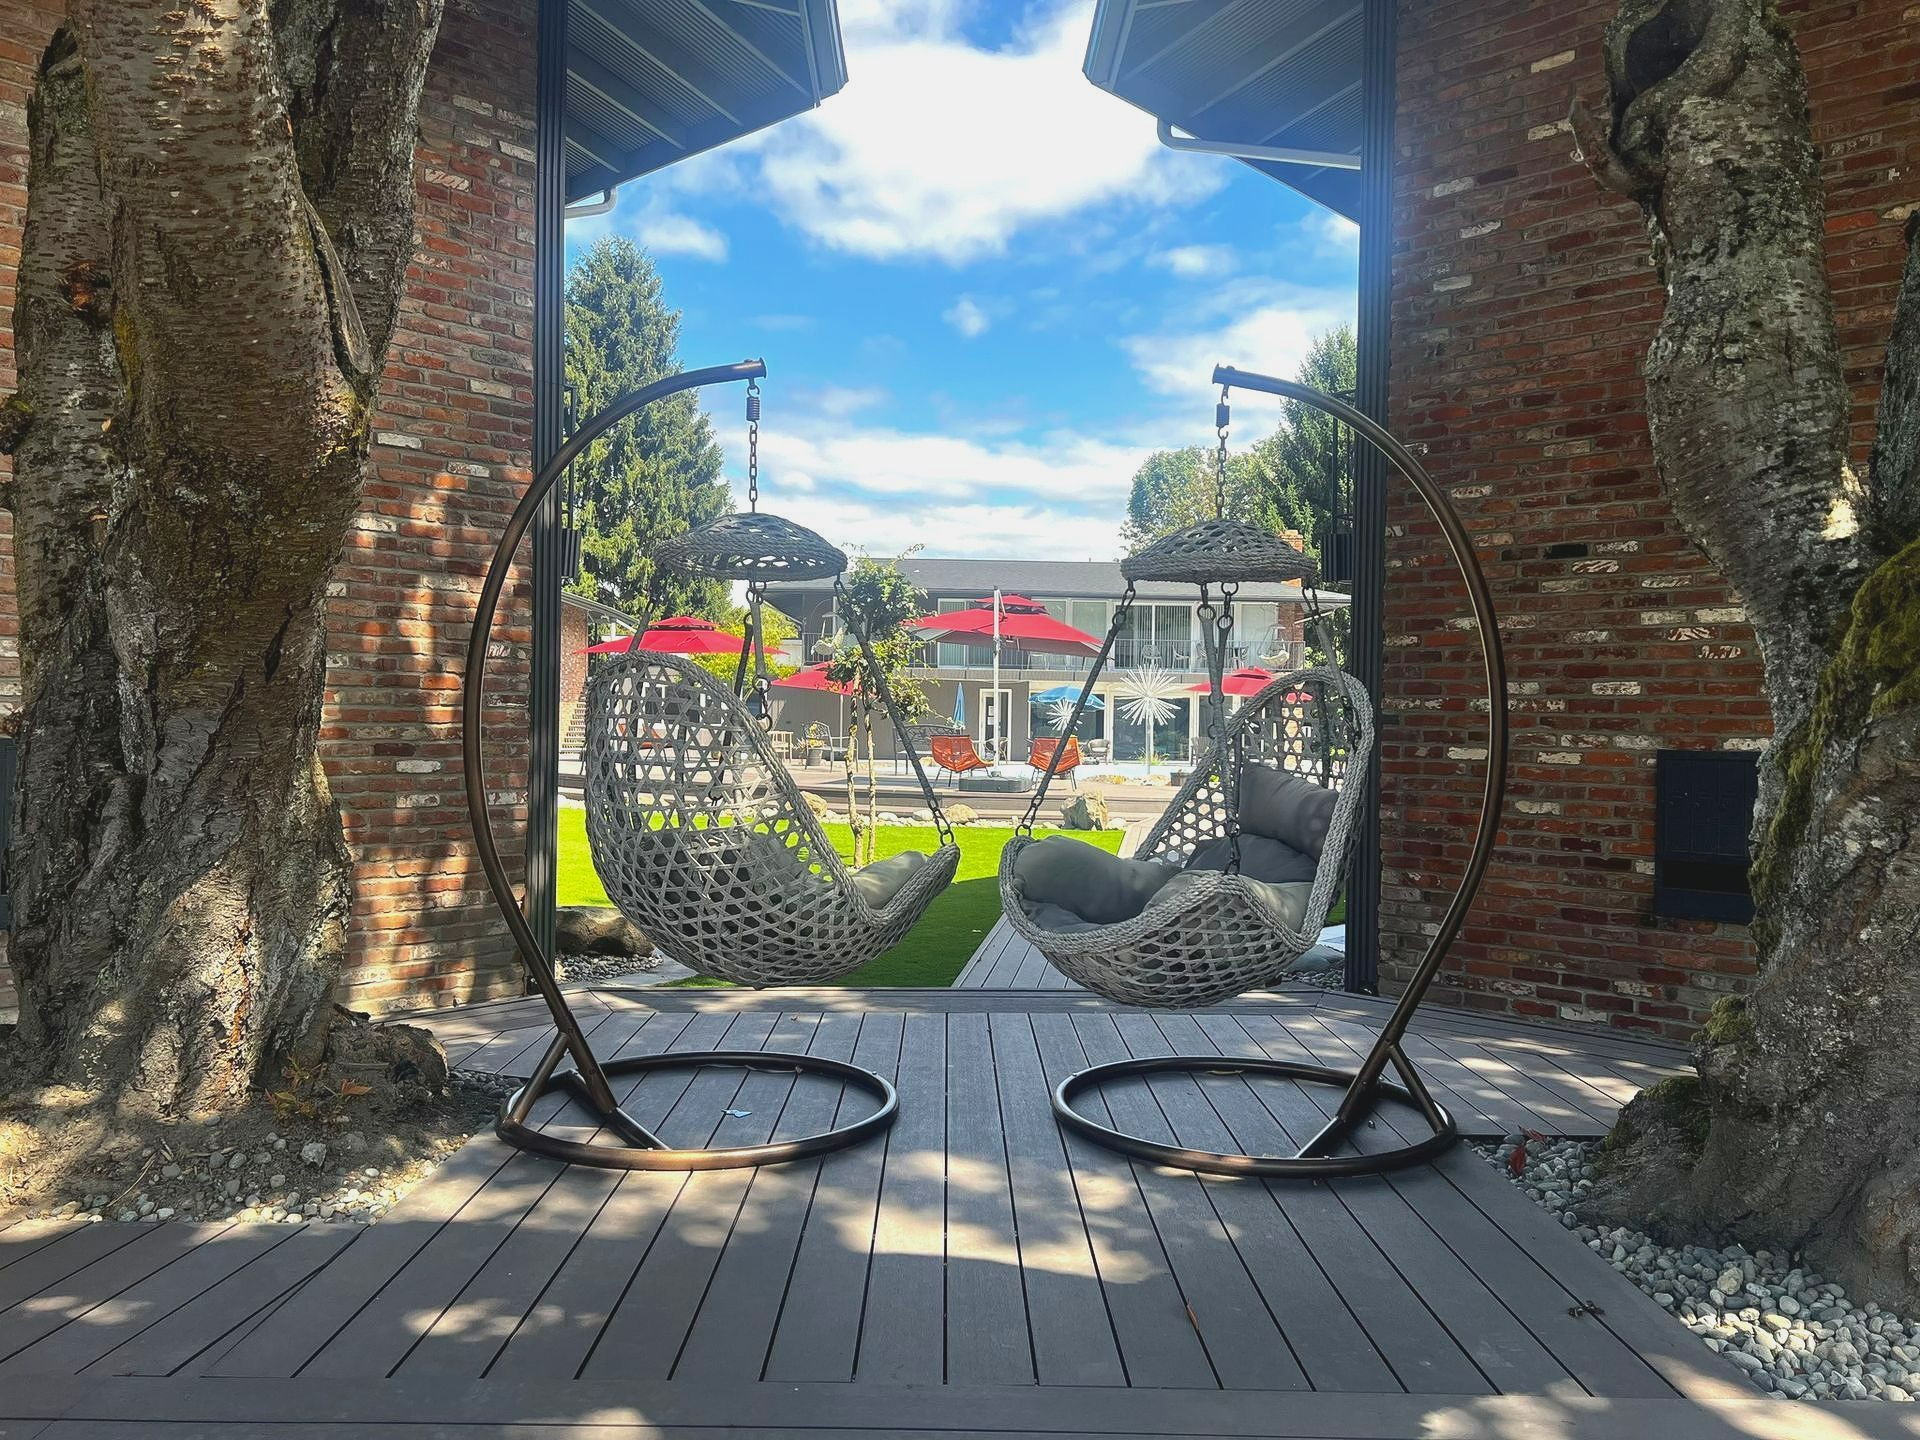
{"x": 1151, "y": 1324}
{"x": 1072, "y": 1332}
{"x": 975, "y": 1269}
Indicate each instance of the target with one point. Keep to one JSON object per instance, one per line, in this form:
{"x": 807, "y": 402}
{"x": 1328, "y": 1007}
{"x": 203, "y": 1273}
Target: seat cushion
{"x": 1260, "y": 859}
{"x": 1058, "y": 919}
{"x": 882, "y": 880}
{"x": 1087, "y": 881}
{"x": 1289, "y": 902}
{"x": 1286, "y": 808}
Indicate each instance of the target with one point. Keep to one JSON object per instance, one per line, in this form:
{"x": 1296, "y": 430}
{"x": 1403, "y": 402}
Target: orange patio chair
{"x": 1042, "y": 755}
{"x": 955, "y": 755}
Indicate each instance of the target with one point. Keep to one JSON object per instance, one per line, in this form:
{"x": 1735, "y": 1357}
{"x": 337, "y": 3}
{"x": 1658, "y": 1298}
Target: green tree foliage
{"x": 656, "y": 475}
{"x": 885, "y": 602}
{"x": 1293, "y": 466}
{"x": 1280, "y": 482}
{"x": 777, "y": 628}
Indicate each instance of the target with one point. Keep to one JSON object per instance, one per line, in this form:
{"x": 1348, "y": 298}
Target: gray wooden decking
{"x": 975, "y": 1271}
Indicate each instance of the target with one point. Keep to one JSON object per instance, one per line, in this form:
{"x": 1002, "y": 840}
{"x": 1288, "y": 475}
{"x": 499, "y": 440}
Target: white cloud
{"x": 877, "y": 461}
{"x": 666, "y": 233}
{"x": 1194, "y": 260}
{"x": 940, "y": 148}
{"x": 1260, "y": 326}
{"x": 1331, "y": 235}
{"x": 985, "y": 528}
{"x": 966, "y": 316}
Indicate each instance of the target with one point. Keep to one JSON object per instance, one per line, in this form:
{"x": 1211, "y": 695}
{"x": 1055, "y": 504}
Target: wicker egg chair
{"x": 703, "y": 840}
{"x": 1217, "y": 932}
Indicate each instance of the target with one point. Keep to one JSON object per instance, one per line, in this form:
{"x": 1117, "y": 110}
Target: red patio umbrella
{"x": 814, "y": 677}
{"x": 676, "y": 635}
{"x": 1247, "y": 680}
{"x": 1024, "y": 625}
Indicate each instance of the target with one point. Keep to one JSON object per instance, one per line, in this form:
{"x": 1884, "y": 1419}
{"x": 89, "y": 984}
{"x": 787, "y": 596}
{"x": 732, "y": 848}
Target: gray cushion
{"x": 1092, "y": 883}
{"x": 1287, "y": 901}
{"x": 1058, "y": 918}
{"x": 1260, "y": 859}
{"x": 1286, "y": 808}
{"x": 881, "y": 881}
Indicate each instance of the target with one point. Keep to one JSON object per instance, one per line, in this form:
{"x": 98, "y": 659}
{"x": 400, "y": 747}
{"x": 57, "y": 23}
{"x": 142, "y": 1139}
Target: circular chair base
{"x": 1302, "y": 1166}
{"x": 645, "y": 1151}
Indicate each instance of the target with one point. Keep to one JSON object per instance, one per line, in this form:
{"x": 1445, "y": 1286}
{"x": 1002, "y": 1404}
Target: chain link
{"x": 753, "y": 445}
{"x": 1230, "y": 764}
{"x": 1222, "y": 417}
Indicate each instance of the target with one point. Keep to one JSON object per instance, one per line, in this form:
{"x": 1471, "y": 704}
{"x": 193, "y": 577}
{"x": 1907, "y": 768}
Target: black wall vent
{"x": 1703, "y": 809}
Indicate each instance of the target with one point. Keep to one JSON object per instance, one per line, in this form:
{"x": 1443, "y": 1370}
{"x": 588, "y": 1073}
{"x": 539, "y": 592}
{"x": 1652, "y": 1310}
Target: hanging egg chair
{"x": 1234, "y": 882}
{"x": 701, "y": 836}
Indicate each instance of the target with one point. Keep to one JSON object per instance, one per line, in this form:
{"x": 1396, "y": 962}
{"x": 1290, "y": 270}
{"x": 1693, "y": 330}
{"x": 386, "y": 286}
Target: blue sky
{"x": 983, "y": 290}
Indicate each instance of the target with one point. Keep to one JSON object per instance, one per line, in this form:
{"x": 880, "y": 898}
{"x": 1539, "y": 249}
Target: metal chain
{"x": 1222, "y": 416}
{"x": 753, "y": 445}
{"x": 1072, "y": 727}
{"x": 1230, "y": 763}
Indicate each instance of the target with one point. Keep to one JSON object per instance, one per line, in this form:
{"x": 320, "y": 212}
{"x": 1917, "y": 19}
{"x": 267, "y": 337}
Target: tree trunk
{"x": 219, "y": 218}
{"x": 1803, "y": 1127}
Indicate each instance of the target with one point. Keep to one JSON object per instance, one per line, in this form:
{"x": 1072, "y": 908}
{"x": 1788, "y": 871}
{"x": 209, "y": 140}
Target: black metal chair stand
{"x": 1365, "y": 1086}
{"x": 636, "y": 1147}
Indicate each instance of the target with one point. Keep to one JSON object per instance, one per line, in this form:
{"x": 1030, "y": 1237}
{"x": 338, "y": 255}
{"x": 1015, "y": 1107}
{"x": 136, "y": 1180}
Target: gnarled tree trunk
{"x": 219, "y": 217}
{"x": 1803, "y": 1127}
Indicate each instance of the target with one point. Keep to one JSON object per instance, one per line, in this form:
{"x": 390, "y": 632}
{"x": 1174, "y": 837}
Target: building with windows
{"x": 1161, "y": 633}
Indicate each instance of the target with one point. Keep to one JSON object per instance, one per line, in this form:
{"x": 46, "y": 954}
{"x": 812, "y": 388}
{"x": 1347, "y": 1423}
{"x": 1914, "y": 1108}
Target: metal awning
{"x": 1243, "y": 72}
{"x": 650, "y": 82}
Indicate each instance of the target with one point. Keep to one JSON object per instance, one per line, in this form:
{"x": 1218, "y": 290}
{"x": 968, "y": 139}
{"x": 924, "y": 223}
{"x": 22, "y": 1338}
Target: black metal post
{"x": 549, "y": 430}
{"x": 1370, "y": 468}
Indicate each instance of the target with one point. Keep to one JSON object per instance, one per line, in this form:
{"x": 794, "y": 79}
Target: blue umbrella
{"x": 960, "y": 705}
{"x": 1068, "y": 693}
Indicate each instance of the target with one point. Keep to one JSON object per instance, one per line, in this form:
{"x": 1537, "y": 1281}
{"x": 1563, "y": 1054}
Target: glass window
{"x": 948, "y": 656}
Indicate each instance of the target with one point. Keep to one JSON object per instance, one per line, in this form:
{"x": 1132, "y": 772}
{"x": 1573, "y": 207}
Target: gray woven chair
{"x": 703, "y": 840}
{"x": 1218, "y": 934}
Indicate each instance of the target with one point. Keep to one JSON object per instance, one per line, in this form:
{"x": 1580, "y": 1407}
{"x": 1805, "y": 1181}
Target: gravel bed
{"x": 575, "y": 969}
{"x": 243, "y": 1173}
{"x": 1788, "y": 1329}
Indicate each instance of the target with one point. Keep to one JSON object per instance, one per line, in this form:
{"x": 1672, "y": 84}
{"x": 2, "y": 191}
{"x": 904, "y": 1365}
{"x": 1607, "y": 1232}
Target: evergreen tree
{"x": 1300, "y": 469}
{"x": 658, "y": 474}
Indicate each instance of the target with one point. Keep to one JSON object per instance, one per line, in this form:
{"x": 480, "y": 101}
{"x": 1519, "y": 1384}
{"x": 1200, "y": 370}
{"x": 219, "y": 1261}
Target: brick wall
{"x": 1523, "y": 302}
{"x": 452, "y": 440}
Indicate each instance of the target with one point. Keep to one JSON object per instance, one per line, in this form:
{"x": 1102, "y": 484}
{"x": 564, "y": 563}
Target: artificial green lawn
{"x": 934, "y": 950}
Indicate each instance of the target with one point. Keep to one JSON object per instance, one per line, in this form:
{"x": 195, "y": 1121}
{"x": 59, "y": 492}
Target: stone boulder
{"x": 1085, "y": 812}
{"x": 817, "y": 805}
{"x": 599, "y": 930}
{"x": 962, "y": 814}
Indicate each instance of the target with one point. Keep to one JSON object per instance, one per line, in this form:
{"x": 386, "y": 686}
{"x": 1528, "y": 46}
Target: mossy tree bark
{"x": 219, "y": 219}
{"x": 1803, "y": 1127}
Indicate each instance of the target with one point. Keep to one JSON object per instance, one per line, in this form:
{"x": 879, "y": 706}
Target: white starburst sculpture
{"x": 1148, "y": 697}
{"x": 1059, "y": 713}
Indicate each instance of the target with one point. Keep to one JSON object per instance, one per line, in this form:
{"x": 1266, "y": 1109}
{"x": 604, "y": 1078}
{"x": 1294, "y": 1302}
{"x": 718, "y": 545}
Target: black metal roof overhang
{"x": 1244, "y": 72}
{"x": 650, "y": 82}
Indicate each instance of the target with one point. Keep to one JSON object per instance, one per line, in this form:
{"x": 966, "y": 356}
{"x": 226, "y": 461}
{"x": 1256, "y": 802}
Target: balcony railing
{"x": 1182, "y": 656}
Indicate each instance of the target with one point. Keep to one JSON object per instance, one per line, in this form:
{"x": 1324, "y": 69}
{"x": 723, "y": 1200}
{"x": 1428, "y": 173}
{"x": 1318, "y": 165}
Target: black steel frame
{"x": 1366, "y": 619}
{"x": 588, "y": 1081}
{"x": 1367, "y": 1085}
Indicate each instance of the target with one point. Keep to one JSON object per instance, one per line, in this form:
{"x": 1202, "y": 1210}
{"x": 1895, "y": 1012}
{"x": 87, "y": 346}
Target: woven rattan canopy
{"x": 1218, "y": 552}
{"x": 752, "y": 546}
